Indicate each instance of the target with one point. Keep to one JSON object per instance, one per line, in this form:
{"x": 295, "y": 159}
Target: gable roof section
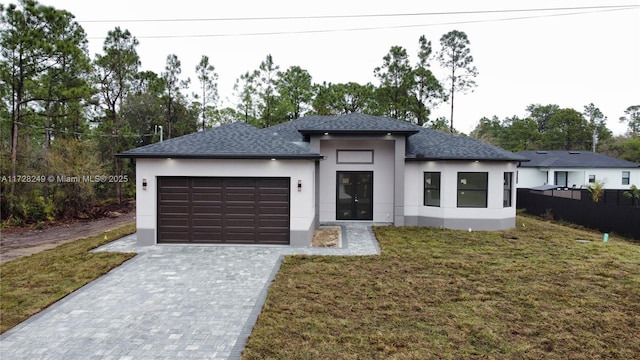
{"x": 290, "y": 130}
{"x": 430, "y": 144}
{"x": 357, "y": 123}
{"x": 289, "y": 140}
{"x": 422, "y": 144}
{"x": 573, "y": 159}
{"x": 230, "y": 141}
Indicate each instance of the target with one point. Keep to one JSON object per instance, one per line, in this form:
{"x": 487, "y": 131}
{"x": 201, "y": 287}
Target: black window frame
{"x": 427, "y": 188}
{"x": 464, "y": 176}
{"x": 592, "y": 179}
{"x": 566, "y": 179}
{"x": 507, "y": 189}
{"x": 627, "y": 178}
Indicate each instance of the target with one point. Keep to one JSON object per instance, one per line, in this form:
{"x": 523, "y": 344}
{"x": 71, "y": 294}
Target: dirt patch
{"x": 327, "y": 237}
{"x": 17, "y": 242}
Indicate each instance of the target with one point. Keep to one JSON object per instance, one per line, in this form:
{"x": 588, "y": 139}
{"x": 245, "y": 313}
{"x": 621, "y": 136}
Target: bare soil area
{"x": 22, "y": 241}
{"x": 326, "y": 237}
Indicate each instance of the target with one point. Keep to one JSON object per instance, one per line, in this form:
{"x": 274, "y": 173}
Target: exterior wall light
{"x": 144, "y": 184}
{"x": 299, "y": 185}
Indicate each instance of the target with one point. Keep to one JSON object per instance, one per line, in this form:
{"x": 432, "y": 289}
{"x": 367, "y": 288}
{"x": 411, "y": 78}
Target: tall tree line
{"x": 550, "y": 127}
{"x": 66, "y": 113}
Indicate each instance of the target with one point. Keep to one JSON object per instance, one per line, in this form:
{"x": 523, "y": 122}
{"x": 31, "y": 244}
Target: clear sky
{"x": 567, "y": 57}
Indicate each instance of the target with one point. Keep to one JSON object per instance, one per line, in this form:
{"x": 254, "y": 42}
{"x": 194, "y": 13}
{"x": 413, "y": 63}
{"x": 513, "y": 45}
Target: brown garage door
{"x": 223, "y": 210}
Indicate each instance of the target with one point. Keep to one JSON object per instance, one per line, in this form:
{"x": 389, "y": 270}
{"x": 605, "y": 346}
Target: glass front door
{"x": 354, "y": 198}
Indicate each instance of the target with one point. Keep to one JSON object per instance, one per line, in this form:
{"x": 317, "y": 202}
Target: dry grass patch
{"x": 528, "y": 293}
{"x": 30, "y": 284}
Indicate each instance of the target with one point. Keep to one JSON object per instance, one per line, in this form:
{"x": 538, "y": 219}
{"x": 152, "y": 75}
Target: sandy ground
{"x": 17, "y": 242}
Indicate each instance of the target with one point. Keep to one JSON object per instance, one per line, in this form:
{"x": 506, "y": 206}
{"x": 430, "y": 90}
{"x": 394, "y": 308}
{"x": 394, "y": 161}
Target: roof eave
{"x": 358, "y": 132}
{"x": 441, "y": 158}
{"x": 580, "y": 166}
{"x": 223, "y": 156}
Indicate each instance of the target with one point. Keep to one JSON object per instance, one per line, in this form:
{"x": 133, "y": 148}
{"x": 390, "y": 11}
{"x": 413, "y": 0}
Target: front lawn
{"x": 528, "y": 293}
{"x": 32, "y": 283}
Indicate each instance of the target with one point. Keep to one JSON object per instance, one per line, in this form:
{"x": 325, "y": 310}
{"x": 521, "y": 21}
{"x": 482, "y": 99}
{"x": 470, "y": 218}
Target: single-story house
{"x": 575, "y": 169}
{"x": 236, "y": 184}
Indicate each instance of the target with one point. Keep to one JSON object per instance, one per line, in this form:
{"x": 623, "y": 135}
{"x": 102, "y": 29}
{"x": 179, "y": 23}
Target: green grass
{"x": 528, "y": 293}
{"x": 30, "y": 284}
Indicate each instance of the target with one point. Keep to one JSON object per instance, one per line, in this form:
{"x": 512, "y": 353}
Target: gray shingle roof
{"x": 290, "y": 129}
{"x": 359, "y": 123}
{"x": 290, "y": 140}
{"x": 435, "y": 145}
{"x": 236, "y": 140}
{"x": 573, "y": 159}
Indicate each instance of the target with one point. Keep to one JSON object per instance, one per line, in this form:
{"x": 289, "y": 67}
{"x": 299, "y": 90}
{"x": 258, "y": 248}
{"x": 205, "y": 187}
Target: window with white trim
{"x": 626, "y": 176}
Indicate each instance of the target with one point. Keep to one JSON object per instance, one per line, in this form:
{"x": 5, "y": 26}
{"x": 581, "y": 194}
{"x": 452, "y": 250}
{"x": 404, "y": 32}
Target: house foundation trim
{"x": 461, "y": 224}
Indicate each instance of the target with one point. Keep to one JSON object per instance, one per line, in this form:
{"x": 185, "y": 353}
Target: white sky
{"x": 572, "y": 60}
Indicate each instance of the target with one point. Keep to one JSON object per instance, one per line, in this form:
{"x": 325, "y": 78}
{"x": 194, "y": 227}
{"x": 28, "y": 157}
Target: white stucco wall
{"x": 302, "y": 203}
{"x": 532, "y": 177}
{"x": 383, "y": 174}
{"x": 494, "y": 216}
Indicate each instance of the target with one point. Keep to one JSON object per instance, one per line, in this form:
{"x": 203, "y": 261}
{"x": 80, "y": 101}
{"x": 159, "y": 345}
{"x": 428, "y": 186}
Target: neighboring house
{"x": 238, "y": 184}
{"x": 575, "y": 169}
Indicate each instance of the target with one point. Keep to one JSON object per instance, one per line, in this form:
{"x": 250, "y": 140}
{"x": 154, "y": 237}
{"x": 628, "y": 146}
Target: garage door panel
{"x": 271, "y": 210}
{"x": 207, "y": 197}
{"x": 175, "y": 182}
{"x": 240, "y": 238}
{"x": 204, "y": 222}
{"x": 240, "y": 196}
{"x": 174, "y": 209}
{"x": 276, "y": 198}
{"x": 213, "y": 233}
{"x": 272, "y": 238}
{"x": 206, "y": 182}
{"x": 273, "y": 222}
{"x": 176, "y": 197}
{"x": 223, "y": 210}
{"x": 241, "y": 209}
{"x": 273, "y": 182}
{"x": 174, "y": 220}
{"x": 213, "y": 210}
{"x": 276, "y": 189}
{"x": 242, "y": 223}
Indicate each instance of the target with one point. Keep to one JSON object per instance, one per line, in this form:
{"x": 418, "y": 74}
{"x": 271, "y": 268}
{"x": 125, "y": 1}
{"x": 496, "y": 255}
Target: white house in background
{"x": 237, "y": 184}
{"x": 575, "y": 169}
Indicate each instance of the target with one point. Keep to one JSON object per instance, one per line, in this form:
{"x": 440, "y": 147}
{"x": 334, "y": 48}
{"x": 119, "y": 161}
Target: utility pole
{"x": 159, "y": 126}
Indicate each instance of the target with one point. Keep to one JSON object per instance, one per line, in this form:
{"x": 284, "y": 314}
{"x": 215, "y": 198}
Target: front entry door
{"x": 354, "y": 198}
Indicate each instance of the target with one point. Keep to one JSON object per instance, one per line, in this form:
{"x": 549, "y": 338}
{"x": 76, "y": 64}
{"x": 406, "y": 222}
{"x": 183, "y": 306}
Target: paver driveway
{"x": 168, "y": 302}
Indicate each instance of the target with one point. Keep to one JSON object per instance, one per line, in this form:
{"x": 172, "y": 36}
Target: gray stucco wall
{"x": 398, "y": 188}
{"x": 145, "y": 237}
{"x": 301, "y": 238}
{"x": 461, "y": 224}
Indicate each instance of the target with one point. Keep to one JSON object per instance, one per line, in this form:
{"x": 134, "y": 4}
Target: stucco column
{"x": 398, "y": 181}
{"x": 550, "y": 177}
